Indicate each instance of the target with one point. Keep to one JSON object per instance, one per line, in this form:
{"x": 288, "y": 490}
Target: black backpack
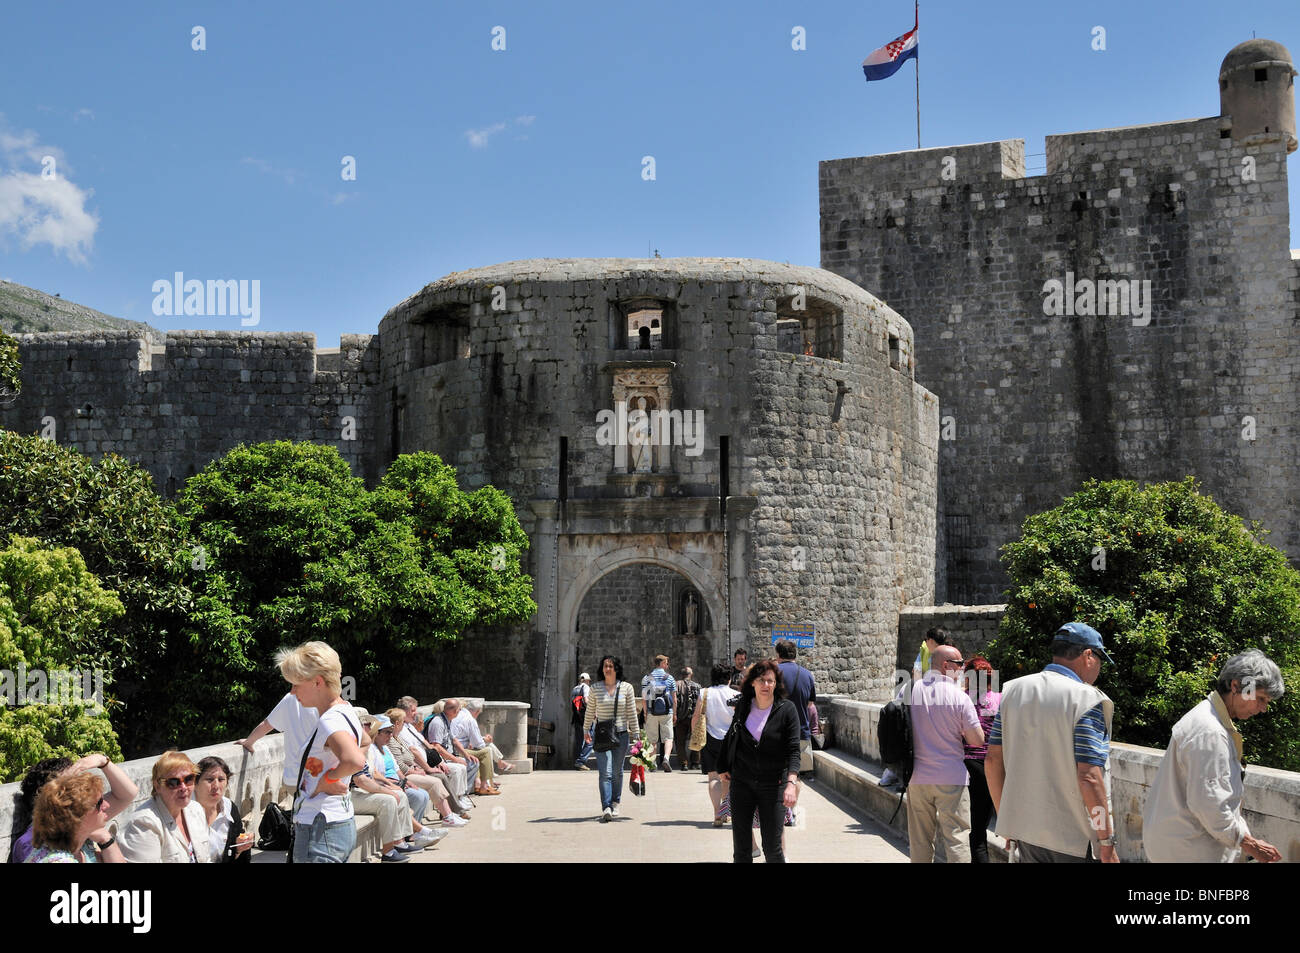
{"x": 689, "y": 697}
{"x": 894, "y": 735}
{"x": 274, "y": 830}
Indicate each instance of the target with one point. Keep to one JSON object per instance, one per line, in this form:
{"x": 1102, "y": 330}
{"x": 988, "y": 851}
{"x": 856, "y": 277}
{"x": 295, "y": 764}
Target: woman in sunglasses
{"x": 70, "y": 824}
{"x": 171, "y": 828}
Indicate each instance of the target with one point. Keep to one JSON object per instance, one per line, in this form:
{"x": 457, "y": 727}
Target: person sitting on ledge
{"x": 448, "y": 731}
{"x": 469, "y": 718}
{"x": 70, "y": 825}
{"x": 121, "y": 791}
{"x": 171, "y": 827}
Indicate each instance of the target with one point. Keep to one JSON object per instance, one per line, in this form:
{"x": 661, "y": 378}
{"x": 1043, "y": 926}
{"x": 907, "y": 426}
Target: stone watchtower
{"x": 1257, "y": 91}
{"x": 1128, "y": 314}
{"x": 789, "y": 479}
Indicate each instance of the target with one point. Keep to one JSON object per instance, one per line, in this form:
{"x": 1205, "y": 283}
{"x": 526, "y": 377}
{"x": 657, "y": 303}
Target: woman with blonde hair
{"x": 325, "y": 830}
{"x": 70, "y": 823}
{"x": 170, "y": 828}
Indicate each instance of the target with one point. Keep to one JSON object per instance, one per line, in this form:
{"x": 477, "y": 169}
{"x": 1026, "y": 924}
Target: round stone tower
{"x": 705, "y": 453}
{"x": 1257, "y": 92}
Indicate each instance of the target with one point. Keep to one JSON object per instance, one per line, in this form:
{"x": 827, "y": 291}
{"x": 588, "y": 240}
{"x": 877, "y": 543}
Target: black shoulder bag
{"x": 604, "y": 734}
{"x": 297, "y": 791}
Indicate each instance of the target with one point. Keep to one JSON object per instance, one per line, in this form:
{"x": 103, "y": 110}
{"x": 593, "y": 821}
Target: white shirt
{"x": 152, "y": 836}
{"x": 716, "y": 712}
{"x": 1193, "y": 810}
{"x": 414, "y": 740}
{"x": 320, "y": 761}
{"x": 297, "y": 724}
{"x": 465, "y": 730}
{"x": 219, "y": 830}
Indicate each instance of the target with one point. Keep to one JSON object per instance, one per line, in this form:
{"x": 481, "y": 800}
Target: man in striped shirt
{"x": 1048, "y": 763}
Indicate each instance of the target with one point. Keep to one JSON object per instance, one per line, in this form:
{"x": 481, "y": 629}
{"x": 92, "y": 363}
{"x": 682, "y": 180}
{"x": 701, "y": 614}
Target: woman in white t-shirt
{"x": 717, "y": 717}
{"x": 325, "y": 831}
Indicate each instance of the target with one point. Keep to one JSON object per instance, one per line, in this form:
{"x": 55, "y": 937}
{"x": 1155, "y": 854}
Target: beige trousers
{"x": 942, "y": 809}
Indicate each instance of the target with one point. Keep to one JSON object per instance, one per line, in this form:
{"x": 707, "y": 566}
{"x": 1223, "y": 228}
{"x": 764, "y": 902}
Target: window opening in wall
{"x": 810, "y": 327}
{"x": 957, "y": 535}
{"x": 642, "y": 324}
{"x": 1261, "y": 75}
{"x": 895, "y": 356}
{"x": 564, "y": 469}
{"x": 442, "y": 334}
{"x": 644, "y": 328}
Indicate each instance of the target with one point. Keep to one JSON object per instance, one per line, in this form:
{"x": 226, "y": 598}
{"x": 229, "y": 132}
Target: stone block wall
{"x": 835, "y": 451}
{"x": 1271, "y": 802}
{"x": 961, "y": 244}
{"x": 175, "y": 403}
{"x": 970, "y": 627}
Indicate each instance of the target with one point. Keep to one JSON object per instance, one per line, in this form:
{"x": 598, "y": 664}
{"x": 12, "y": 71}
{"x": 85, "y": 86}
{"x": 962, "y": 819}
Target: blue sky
{"x": 225, "y": 163}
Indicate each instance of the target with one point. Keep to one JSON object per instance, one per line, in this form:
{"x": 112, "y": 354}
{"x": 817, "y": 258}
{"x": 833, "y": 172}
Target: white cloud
{"x": 261, "y": 165}
{"x": 39, "y": 210}
{"x": 478, "y": 138}
{"x": 83, "y": 113}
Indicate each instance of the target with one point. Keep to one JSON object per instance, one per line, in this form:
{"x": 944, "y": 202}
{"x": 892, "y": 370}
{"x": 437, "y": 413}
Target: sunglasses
{"x": 103, "y": 804}
{"x": 188, "y": 781}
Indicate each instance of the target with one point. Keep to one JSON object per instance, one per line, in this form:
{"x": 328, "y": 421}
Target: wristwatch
{"x": 1107, "y": 841}
{"x": 108, "y": 843}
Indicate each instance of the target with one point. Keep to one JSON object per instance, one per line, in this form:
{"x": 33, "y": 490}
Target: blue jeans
{"x": 322, "y": 843}
{"x": 418, "y": 799}
{"x": 584, "y": 750}
{"x": 609, "y": 765}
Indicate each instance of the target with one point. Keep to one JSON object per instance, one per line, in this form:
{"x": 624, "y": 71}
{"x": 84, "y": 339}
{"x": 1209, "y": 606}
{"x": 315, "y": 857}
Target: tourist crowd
{"x": 415, "y": 777}
{"x": 1035, "y": 757}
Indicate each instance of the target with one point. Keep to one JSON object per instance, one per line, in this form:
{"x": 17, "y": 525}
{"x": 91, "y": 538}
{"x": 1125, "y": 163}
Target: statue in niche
{"x": 692, "y": 613}
{"x": 638, "y": 438}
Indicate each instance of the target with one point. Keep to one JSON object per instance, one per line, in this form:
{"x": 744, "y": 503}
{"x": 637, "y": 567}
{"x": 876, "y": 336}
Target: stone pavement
{"x": 552, "y": 817}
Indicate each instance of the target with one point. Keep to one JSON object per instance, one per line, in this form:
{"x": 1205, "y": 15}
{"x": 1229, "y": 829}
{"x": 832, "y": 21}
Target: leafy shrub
{"x": 1175, "y": 585}
{"x": 50, "y": 610}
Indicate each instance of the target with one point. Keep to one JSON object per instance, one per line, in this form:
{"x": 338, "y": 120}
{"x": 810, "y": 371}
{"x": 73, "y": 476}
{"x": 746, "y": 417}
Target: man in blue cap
{"x": 1048, "y": 763}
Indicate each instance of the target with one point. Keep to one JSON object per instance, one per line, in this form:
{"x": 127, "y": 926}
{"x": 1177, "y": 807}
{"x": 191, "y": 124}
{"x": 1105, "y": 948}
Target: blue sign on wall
{"x": 801, "y": 635}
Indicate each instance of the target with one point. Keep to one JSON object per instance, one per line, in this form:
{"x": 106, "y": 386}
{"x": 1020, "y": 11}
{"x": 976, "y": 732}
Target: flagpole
{"x": 917, "y": 58}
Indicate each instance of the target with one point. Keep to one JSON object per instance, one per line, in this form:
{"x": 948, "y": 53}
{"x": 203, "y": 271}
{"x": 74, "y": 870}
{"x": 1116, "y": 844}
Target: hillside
{"x": 24, "y": 309}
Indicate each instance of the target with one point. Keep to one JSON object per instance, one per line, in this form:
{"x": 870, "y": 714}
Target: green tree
{"x": 11, "y": 383}
{"x": 132, "y": 541}
{"x": 1175, "y": 585}
{"x": 296, "y": 548}
{"x": 51, "y": 608}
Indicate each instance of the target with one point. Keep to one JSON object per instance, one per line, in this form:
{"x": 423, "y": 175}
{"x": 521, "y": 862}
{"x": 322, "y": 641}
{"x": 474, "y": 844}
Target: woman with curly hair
{"x": 70, "y": 825}
{"x": 760, "y": 757}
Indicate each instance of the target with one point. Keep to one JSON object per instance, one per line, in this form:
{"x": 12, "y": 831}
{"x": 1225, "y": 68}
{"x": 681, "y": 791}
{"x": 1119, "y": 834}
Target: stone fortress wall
{"x": 829, "y": 459}
{"x": 961, "y": 243}
{"x": 175, "y": 403}
{"x": 813, "y": 430}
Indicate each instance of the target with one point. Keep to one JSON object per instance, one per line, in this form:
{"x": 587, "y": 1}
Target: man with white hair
{"x": 474, "y": 739}
{"x": 446, "y": 737}
{"x": 1193, "y": 811}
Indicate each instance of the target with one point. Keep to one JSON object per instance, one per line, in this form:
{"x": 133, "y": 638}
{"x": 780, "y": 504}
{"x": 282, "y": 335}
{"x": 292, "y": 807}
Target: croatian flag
{"x": 885, "y": 62}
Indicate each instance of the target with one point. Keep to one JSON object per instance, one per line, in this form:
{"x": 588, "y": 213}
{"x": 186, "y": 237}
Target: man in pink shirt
{"x": 943, "y": 716}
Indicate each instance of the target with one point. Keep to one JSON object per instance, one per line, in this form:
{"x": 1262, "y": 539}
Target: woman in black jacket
{"x": 761, "y": 757}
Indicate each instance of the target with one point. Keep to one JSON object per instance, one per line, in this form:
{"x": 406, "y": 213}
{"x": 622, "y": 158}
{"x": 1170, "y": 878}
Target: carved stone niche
{"x": 643, "y": 423}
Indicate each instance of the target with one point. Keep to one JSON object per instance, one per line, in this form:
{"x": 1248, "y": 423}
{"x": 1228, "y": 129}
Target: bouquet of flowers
{"x": 643, "y": 759}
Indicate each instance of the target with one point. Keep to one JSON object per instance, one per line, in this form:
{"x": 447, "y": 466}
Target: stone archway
{"x": 697, "y": 573}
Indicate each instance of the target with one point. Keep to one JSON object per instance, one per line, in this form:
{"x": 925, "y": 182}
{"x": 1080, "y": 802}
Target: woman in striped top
{"x": 611, "y": 698}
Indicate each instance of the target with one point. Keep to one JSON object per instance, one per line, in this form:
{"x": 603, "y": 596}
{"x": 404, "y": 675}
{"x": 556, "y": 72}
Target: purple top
{"x": 941, "y": 711}
{"x": 756, "y": 719}
{"x": 986, "y": 710}
{"x": 22, "y": 847}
